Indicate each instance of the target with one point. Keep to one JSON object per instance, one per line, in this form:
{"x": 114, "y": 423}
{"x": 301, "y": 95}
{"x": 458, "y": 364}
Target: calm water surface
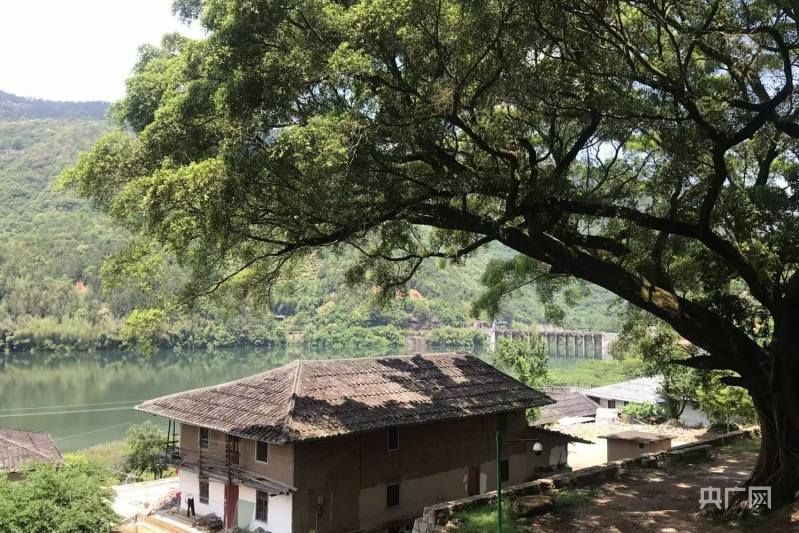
{"x": 87, "y": 399}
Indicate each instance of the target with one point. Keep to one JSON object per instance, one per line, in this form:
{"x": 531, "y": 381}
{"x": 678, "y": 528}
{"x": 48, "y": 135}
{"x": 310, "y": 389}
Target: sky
{"x": 77, "y": 49}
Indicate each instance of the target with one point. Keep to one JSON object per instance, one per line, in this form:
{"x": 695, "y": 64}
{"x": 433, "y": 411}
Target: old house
{"x": 570, "y": 407}
{"x": 645, "y": 391}
{"x": 19, "y": 447}
{"x": 353, "y": 444}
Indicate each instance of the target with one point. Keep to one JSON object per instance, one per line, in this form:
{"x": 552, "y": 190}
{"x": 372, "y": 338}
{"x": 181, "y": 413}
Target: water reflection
{"x": 83, "y": 399}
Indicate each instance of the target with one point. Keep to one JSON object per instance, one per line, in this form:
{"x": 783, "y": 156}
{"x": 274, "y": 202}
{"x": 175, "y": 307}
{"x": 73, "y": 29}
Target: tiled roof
{"x": 18, "y": 447}
{"x": 313, "y": 399}
{"x": 568, "y": 403}
{"x": 641, "y": 390}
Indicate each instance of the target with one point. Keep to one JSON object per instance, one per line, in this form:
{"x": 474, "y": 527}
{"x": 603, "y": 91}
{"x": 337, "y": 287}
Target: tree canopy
{"x": 71, "y": 498}
{"x": 646, "y": 146}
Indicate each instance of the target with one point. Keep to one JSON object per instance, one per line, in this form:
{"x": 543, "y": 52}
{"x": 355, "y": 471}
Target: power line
{"x": 50, "y": 413}
{"x": 94, "y": 431}
{"x": 68, "y": 405}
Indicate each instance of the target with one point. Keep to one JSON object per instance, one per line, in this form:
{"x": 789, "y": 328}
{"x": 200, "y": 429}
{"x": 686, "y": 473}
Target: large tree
{"x": 646, "y": 146}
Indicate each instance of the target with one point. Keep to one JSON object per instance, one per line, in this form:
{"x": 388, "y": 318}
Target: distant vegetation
{"x": 14, "y": 107}
{"x": 55, "y": 295}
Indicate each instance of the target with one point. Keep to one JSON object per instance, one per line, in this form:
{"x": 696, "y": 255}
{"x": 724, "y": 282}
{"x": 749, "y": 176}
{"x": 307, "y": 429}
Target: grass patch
{"x": 484, "y": 519}
{"x": 568, "y": 498}
{"x": 109, "y": 454}
{"x": 742, "y": 446}
{"x": 594, "y": 372}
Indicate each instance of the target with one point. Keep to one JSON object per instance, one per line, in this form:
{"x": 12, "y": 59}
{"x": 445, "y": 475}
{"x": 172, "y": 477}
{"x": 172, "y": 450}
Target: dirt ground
{"x": 664, "y": 500}
{"x": 585, "y": 455}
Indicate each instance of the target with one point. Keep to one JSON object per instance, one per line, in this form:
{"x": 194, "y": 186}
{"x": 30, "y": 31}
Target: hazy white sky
{"x": 77, "y": 49}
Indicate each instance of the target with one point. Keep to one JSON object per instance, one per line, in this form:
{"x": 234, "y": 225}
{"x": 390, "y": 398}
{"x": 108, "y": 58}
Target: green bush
{"x": 144, "y": 449}
{"x": 338, "y": 336}
{"x": 451, "y": 336}
{"x": 645, "y": 412}
{"x": 73, "y": 498}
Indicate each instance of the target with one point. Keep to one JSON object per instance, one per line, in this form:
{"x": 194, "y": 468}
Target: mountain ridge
{"x": 14, "y": 107}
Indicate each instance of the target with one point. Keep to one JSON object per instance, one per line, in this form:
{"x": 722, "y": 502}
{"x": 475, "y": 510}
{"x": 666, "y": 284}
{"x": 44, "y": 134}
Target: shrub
{"x": 451, "y": 336}
{"x": 66, "y": 499}
{"x": 645, "y": 412}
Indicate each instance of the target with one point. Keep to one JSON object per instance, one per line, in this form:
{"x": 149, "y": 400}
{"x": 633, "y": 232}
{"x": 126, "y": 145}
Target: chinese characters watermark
{"x": 715, "y": 496}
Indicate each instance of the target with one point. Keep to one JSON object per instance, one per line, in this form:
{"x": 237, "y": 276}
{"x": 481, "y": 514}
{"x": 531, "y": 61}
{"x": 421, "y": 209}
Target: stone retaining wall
{"x": 440, "y": 514}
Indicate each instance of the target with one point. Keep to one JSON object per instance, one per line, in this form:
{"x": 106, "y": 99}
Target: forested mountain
{"x": 52, "y": 247}
{"x": 14, "y": 107}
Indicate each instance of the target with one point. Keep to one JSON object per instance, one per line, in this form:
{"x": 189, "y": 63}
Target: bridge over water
{"x": 574, "y": 344}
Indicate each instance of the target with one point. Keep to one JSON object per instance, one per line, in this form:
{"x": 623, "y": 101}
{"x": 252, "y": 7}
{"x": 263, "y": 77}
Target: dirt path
{"x": 664, "y": 500}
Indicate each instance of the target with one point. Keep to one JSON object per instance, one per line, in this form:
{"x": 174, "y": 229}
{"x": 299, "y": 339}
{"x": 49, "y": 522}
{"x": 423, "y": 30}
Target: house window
{"x": 203, "y": 490}
{"x": 504, "y": 470}
{"x": 502, "y": 422}
{"x": 204, "y": 438}
{"x": 261, "y": 506}
{"x": 262, "y": 452}
{"x": 393, "y": 439}
{"x": 392, "y": 495}
{"x": 611, "y": 404}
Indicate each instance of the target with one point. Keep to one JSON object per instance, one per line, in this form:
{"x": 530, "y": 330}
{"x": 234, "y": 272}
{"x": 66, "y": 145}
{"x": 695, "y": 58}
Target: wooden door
{"x": 232, "y": 449}
{"x": 474, "y": 481}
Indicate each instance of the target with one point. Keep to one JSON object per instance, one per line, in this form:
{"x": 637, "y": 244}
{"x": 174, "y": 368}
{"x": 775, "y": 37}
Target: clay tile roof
{"x": 314, "y": 399}
{"x": 568, "y": 403}
{"x": 18, "y": 447}
{"x": 640, "y": 390}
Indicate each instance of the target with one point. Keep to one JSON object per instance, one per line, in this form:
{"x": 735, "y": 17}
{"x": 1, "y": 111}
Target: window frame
{"x": 207, "y": 438}
{"x": 203, "y": 481}
{"x": 262, "y": 498}
{"x": 258, "y": 443}
{"x": 504, "y": 470}
{"x": 389, "y": 487}
{"x": 611, "y": 404}
{"x": 395, "y": 431}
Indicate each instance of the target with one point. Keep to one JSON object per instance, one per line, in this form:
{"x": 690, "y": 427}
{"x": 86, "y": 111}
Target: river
{"x": 86, "y": 399}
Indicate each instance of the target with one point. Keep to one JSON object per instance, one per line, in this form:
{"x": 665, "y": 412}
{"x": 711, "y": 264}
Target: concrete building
{"x": 19, "y": 447}
{"x": 627, "y": 444}
{"x": 353, "y": 444}
{"x": 643, "y": 390}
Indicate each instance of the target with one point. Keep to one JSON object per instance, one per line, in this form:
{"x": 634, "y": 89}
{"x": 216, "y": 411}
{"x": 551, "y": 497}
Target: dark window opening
{"x": 262, "y": 452}
{"x": 204, "y": 438}
{"x": 203, "y": 490}
{"x": 502, "y": 422}
{"x": 393, "y": 439}
{"x": 641, "y": 445}
{"x": 392, "y": 495}
{"x": 261, "y": 506}
{"x": 504, "y": 470}
{"x": 611, "y": 404}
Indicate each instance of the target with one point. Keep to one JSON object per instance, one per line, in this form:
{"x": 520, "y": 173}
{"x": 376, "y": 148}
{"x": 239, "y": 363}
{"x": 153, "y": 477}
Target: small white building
{"x": 645, "y": 391}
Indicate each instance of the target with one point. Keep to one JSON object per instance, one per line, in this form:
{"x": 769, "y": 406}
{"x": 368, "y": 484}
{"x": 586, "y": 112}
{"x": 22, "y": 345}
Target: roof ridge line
{"x": 214, "y": 386}
{"x": 292, "y": 400}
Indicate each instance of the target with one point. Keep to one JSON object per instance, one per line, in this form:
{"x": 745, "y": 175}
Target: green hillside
{"x": 52, "y": 247}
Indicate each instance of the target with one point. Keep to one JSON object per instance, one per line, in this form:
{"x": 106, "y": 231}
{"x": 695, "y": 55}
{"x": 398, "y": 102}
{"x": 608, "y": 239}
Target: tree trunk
{"x": 777, "y": 404}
